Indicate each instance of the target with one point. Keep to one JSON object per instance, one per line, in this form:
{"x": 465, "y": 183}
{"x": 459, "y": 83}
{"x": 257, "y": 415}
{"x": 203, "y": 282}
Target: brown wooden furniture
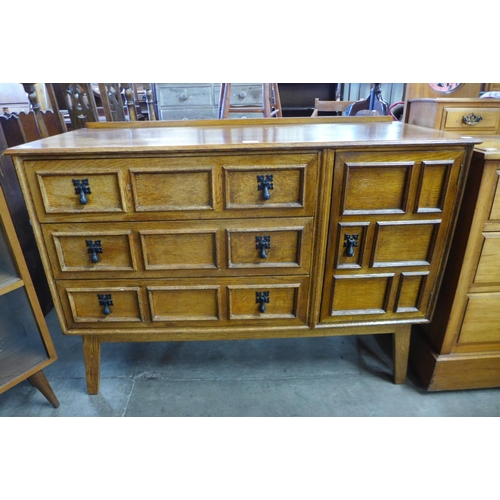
{"x": 337, "y": 107}
{"x": 18, "y": 129}
{"x": 25, "y": 344}
{"x": 234, "y": 229}
{"x": 460, "y": 349}
{"x": 270, "y": 106}
{"x": 465, "y": 116}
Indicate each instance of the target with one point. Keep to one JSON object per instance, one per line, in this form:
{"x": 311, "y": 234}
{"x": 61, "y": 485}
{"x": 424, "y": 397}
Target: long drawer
{"x": 188, "y": 248}
{"x": 141, "y": 304}
{"x": 174, "y": 187}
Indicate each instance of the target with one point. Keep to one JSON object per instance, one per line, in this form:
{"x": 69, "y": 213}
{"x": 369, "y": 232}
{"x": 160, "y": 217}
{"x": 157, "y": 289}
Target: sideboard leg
{"x": 401, "y": 344}
{"x": 92, "y": 359}
{"x": 39, "y": 381}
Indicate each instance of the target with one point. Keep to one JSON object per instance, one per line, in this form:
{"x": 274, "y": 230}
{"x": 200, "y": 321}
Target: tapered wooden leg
{"x": 92, "y": 359}
{"x": 401, "y": 343}
{"x": 39, "y": 381}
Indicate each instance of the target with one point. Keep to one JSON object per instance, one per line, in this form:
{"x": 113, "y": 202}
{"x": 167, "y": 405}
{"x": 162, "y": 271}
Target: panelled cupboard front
{"x": 248, "y": 229}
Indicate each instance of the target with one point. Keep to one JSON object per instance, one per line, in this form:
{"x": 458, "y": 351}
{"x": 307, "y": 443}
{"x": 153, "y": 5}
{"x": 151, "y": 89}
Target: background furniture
{"x": 25, "y": 344}
{"x": 200, "y": 101}
{"x": 460, "y": 348}
{"x": 253, "y": 229}
{"x": 470, "y": 116}
{"x": 269, "y": 107}
{"x": 322, "y": 108}
{"x": 18, "y": 129}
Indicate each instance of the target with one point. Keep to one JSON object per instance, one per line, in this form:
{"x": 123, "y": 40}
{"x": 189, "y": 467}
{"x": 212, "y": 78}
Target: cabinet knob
{"x": 94, "y": 248}
{"x": 350, "y": 241}
{"x": 471, "y": 119}
{"x": 105, "y": 300}
{"x": 263, "y": 243}
{"x": 82, "y": 188}
{"x": 242, "y": 94}
{"x": 262, "y": 298}
{"x": 183, "y": 96}
{"x": 264, "y": 184}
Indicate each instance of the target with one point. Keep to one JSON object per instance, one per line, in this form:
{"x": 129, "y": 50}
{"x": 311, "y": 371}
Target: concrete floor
{"x": 313, "y": 377}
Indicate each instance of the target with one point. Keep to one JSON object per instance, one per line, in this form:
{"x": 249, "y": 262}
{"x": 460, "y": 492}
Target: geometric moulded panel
{"x": 360, "y": 294}
{"x": 404, "y": 243}
{"x": 433, "y": 184}
{"x": 374, "y": 187}
{"x": 409, "y": 295}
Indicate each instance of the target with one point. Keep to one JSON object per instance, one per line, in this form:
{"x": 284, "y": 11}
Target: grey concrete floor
{"x": 311, "y": 377}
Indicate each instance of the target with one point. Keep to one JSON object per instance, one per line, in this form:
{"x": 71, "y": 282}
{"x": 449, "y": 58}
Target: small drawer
{"x": 188, "y": 113}
{"x": 242, "y": 94}
{"x": 472, "y": 120}
{"x": 488, "y": 269}
{"x": 185, "y": 96}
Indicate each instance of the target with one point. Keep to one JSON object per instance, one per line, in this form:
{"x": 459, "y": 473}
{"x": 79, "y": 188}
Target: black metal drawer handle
{"x": 264, "y": 184}
{"x": 105, "y": 300}
{"x": 263, "y": 243}
{"x": 262, "y": 298}
{"x": 471, "y": 119}
{"x": 82, "y": 188}
{"x": 350, "y": 242}
{"x": 94, "y": 248}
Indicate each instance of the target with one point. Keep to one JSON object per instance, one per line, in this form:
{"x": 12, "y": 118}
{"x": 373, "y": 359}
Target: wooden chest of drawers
{"x": 466, "y": 116}
{"x": 243, "y": 229}
{"x": 460, "y": 349}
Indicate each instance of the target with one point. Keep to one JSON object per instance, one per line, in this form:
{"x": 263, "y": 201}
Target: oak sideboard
{"x": 240, "y": 229}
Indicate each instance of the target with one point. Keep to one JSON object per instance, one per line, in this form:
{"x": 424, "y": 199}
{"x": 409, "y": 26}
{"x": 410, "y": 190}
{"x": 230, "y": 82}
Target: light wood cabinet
{"x": 243, "y": 229}
{"x": 460, "y": 349}
{"x": 465, "y": 116}
{"x": 25, "y": 344}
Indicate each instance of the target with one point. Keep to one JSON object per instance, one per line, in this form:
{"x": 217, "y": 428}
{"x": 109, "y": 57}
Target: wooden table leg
{"x": 401, "y": 344}
{"x": 39, "y": 381}
{"x": 92, "y": 359}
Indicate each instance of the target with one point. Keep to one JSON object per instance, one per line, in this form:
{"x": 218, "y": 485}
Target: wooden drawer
{"x": 185, "y": 96}
{"x": 149, "y": 249}
{"x": 471, "y": 120}
{"x": 481, "y": 321}
{"x": 198, "y": 113}
{"x": 242, "y": 94}
{"x": 174, "y": 187}
{"x": 181, "y": 302}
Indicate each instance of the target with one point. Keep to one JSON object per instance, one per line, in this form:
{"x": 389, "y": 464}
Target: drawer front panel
{"x": 488, "y": 269}
{"x": 242, "y": 95}
{"x": 174, "y": 187}
{"x": 190, "y": 248}
{"x": 173, "y": 190}
{"x": 481, "y": 321}
{"x": 270, "y": 243}
{"x": 188, "y": 96}
{"x": 82, "y": 249}
{"x": 92, "y": 192}
{"x": 147, "y": 304}
{"x": 472, "y": 120}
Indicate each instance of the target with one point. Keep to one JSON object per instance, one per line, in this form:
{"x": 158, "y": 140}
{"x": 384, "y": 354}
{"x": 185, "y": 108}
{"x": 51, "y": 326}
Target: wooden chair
{"x": 336, "y": 107}
{"x": 271, "y": 104}
{"x": 110, "y": 102}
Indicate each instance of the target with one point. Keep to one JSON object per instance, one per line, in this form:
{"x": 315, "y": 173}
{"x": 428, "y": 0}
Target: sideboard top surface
{"x": 238, "y": 137}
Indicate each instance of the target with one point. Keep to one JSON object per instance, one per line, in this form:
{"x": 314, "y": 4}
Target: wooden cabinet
{"x": 243, "y": 229}
{"x": 25, "y": 344}
{"x": 465, "y": 116}
{"x": 460, "y": 349}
